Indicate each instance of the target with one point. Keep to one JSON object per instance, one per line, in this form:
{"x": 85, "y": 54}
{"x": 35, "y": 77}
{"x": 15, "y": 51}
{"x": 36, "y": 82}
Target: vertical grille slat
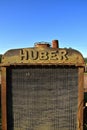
{"x": 40, "y": 98}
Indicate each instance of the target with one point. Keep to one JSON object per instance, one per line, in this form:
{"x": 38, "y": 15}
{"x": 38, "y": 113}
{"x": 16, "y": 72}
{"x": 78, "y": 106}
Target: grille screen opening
{"x": 42, "y": 98}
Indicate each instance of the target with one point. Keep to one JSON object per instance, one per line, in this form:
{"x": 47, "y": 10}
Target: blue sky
{"x": 24, "y": 22}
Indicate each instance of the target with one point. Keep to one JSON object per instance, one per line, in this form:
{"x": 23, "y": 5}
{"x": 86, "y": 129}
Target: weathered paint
{"x": 43, "y": 56}
{"x": 3, "y": 99}
{"x": 80, "y": 97}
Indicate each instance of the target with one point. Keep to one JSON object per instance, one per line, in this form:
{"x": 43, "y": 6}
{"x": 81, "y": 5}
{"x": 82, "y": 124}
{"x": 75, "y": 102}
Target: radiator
{"x": 42, "y": 98}
{"x": 42, "y": 88}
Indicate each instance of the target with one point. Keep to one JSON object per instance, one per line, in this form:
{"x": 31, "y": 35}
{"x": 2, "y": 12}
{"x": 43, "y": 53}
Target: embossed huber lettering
{"x": 26, "y": 54}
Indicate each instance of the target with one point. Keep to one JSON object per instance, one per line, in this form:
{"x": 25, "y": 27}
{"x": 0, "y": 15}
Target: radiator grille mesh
{"x": 42, "y": 98}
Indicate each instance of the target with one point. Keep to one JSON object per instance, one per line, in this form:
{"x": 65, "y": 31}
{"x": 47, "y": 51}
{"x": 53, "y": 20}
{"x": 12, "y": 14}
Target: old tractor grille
{"x": 42, "y": 98}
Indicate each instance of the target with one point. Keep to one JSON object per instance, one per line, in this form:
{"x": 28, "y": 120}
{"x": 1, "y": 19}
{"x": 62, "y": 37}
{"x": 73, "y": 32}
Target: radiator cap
{"x": 55, "y": 44}
{"x": 42, "y": 44}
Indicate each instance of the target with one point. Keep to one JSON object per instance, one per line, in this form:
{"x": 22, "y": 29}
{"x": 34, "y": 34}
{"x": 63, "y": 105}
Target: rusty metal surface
{"x": 3, "y": 99}
{"x": 80, "y": 97}
{"x": 55, "y": 44}
{"x": 85, "y": 82}
{"x": 0, "y": 77}
{"x": 43, "y": 56}
{"x": 31, "y": 56}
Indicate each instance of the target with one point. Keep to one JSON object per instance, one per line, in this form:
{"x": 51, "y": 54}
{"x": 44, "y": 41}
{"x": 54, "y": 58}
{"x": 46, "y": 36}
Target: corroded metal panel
{"x": 3, "y": 98}
{"x": 80, "y": 97}
{"x": 42, "y": 56}
{"x": 42, "y": 88}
